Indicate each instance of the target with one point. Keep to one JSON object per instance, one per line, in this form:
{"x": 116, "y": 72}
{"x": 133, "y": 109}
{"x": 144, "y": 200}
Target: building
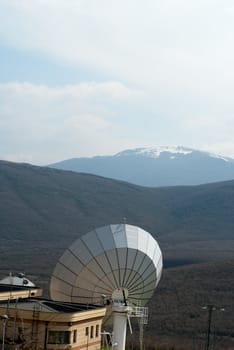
{"x": 31, "y": 322}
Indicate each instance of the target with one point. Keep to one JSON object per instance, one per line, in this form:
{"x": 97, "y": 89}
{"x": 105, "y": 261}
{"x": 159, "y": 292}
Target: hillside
{"x": 43, "y": 210}
{"x": 44, "y": 207}
{"x": 156, "y": 166}
{"x": 178, "y": 314}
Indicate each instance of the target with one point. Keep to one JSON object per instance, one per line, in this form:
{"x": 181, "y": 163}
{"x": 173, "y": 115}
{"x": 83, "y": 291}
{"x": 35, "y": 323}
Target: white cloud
{"x": 122, "y": 36}
{"x": 179, "y": 52}
{"x": 175, "y": 46}
{"x": 46, "y": 124}
{"x": 41, "y": 124}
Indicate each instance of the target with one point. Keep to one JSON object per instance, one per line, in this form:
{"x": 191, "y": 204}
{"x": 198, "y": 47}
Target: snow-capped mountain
{"x": 173, "y": 151}
{"x": 155, "y": 152}
{"x": 156, "y": 166}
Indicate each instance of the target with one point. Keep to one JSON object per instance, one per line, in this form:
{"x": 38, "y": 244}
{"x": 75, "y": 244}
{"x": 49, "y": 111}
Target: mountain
{"x": 43, "y": 210}
{"x": 159, "y": 166}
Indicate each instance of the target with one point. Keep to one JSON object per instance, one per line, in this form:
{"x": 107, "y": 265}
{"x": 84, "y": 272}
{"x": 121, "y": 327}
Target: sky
{"x": 80, "y": 78}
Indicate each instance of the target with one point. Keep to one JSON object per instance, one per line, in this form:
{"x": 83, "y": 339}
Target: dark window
{"x": 87, "y": 331}
{"x": 97, "y": 330}
{"x": 91, "y": 332}
{"x": 58, "y": 337}
{"x": 75, "y": 336}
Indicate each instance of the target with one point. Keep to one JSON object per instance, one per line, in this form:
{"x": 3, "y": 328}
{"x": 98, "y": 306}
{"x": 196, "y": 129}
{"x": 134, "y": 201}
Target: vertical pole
{"x": 46, "y": 335}
{"x": 210, "y": 309}
{"x": 141, "y": 325}
{"x": 4, "y": 318}
{"x": 14, "y": 329}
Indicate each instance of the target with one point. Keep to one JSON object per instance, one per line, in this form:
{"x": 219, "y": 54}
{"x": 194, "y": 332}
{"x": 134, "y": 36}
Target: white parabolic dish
{"x": 107, "y": 263}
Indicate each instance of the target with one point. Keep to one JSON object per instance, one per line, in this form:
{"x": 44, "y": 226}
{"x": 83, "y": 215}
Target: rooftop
{"x": 47, "y": 305}
{"x": 13, "y": 288}
{"x": 17, "y": 280}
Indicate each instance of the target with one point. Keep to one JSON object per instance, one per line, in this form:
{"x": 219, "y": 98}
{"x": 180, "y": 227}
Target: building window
{"x": 87, "y": 331}
{"x": 97, "y": 330}
{"x": 91, "y": 332}
{"x": 58, "y": 337}
{"x": 75, "y": 336}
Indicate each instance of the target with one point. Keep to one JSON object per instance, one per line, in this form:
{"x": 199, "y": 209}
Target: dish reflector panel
{"x": 106, "y": 263}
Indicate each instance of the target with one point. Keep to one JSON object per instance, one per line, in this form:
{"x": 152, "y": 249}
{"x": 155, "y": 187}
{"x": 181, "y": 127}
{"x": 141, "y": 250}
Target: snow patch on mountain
{"x": 155, "y": 152}
{"x": 221, "y": 157}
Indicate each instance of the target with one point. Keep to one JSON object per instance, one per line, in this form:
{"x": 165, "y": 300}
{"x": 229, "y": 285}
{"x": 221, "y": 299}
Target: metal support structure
{"x": 35, "y": 320}
{"x": 106, "y": 340}
{"x": 142, "y": 314}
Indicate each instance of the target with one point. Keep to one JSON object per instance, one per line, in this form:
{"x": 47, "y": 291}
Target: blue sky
{"x": 87, "y": 77}
{"x": 38, "y": 68}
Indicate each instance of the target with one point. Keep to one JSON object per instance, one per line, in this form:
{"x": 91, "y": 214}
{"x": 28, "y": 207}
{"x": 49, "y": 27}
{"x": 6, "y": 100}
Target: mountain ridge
{"x": 155, "y": 152}
{"x": 55, "y": 197}
{"x": 156, "y": 166}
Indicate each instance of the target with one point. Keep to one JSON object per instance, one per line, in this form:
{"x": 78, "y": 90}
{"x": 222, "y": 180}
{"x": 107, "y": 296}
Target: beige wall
{"x": 37, "y": 292}
{"x": 36, "y": 330}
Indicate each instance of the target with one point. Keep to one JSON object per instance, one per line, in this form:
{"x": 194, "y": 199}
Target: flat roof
{"x": 48, "y": 305}
{"x": 4, "y": 288}
{"x": 70, "y": 307}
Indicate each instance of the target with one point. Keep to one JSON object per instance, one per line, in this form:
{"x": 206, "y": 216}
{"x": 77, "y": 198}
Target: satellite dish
{"x": 108, "y": 261}
{"x": 119, "y": 263}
